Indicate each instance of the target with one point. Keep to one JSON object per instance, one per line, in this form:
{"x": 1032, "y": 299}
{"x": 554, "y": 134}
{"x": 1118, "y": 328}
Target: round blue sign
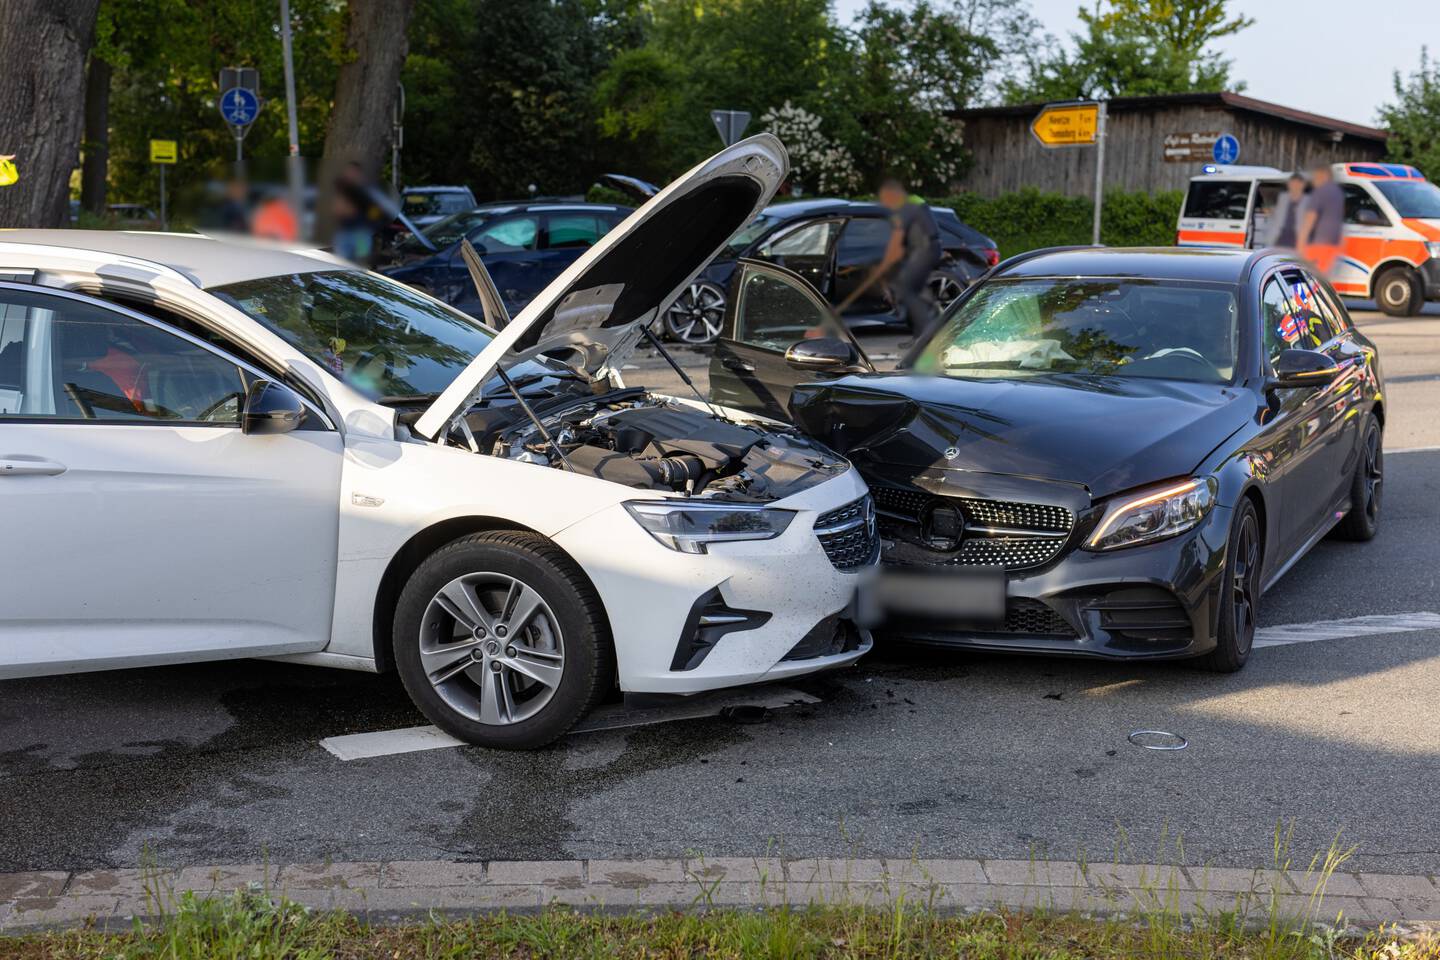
{"x": 1227, "y": 149}
{"x": 239, "y": 106}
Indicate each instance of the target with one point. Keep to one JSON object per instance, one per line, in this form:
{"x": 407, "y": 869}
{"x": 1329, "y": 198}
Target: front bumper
{"x": 1430, "y": 278}
{"x": 1159, "y": 601}
{"x": 788, "y": 587}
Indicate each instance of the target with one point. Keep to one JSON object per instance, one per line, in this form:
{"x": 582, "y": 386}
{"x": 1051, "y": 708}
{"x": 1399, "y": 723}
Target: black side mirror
{"x": 271, "y": 407}
{"x": 1369, "y": 218}
{"x": 1303, "y": 368}
{"x": 822, "y": 354}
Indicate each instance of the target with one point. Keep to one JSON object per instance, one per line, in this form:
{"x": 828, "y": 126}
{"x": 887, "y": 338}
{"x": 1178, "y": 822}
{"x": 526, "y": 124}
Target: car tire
{"x": 696, "y": 315}
{"x": 1398, "y": 292}
{"x": 945, "y": 287}
{"x": 1240, "y": 595}
{"x": 455, "y": 641}
{"x": 1362, "y": 522}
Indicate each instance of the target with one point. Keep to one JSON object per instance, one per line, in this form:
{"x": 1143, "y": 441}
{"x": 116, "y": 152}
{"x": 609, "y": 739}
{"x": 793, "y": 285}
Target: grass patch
{"x": 254, "y": 926}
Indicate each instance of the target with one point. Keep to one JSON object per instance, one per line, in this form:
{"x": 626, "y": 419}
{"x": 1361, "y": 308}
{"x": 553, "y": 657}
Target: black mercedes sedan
{"x": 1123, "y": 449}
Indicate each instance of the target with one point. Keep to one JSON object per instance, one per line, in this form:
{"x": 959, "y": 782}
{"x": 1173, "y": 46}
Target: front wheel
{"x": 697, "y": 314}
{"x": 500, "y": 640}
{"x": 1240, "y": 594}
{"x": 1398, "y": 292}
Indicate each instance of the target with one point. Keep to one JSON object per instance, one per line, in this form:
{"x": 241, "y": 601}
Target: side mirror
{"x": 271, "y": 407}
{"x": 1303, "y": 368}
{"x": 822, "y": 355}
{"x": 1369, "y": 218}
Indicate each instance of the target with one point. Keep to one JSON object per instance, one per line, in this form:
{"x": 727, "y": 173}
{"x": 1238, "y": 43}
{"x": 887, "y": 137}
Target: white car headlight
{"x": 687, "y": 526}
{"x": 1432, "y": 247}
{"x": 1154, "y": 514}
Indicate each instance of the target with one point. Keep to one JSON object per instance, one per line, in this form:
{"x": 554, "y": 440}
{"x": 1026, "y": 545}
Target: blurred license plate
{"x": 976, "y": 594}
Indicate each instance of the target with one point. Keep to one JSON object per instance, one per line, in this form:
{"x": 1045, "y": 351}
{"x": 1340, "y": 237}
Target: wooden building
{"x": 1156, "y": 143}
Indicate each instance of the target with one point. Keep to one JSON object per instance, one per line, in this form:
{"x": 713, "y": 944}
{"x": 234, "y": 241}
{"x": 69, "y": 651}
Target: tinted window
{"x": 1217, "y": 199}
{"x": 1276, "y": 317}
{"x": 442, "y": 233}
{"x": 751, "y": 232}
{"x": 507, "y": 236}
{"x": 864, "y": 240}
{"x": 1357, "y": 198}
{"x": 1099, "y": 326}
{"x": 575, "y": 230}
{"x": 381, "y": 338}
{"x": 433, "y": 204}
{"x": 812, "y": 240}
{"x": 772, "y": 312}
{"x": 60, "y": 358}
{"x": 1313, "y": 328}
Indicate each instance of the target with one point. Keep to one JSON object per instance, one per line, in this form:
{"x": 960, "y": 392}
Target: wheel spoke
{"x": 496, "y": 705}
{"x": 520, "y": 607}
{"x": 540, "y": 671}
{"x": 441, "y": 662}
{"x": 459, "y": 600}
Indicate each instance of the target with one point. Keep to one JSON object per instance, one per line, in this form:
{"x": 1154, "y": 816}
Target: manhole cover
{"x": 1158, "y": 740}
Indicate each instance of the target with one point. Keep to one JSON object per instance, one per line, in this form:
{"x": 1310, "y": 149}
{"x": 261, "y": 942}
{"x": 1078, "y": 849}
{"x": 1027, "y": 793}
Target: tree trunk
{"x": 43, "y": 45}
{"x": 94, "y": 171}
{"x": 365, "y": 89}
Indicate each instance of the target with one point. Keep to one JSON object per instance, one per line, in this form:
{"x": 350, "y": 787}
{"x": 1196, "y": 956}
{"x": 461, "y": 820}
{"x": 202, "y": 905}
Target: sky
{"x": 1324, "y": 56}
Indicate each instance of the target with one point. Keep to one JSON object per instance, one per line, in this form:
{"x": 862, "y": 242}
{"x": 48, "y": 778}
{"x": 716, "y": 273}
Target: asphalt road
{"x": 935, "y": 755}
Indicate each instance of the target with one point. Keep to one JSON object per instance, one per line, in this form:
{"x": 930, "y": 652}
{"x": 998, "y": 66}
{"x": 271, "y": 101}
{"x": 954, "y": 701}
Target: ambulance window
{"x": 1357, "y": 198}
{"x": 1217, "y": 199}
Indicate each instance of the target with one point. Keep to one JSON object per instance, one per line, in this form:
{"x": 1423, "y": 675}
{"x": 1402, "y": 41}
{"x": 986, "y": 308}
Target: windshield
{"x": 750, "y": 233}
{"x": 378, "y": 336}
{"x": 1412, "y": 198}
{"x": 442, "y": 233}
{"x": 1166, "y": 329}
{"x": 433, "y": 204}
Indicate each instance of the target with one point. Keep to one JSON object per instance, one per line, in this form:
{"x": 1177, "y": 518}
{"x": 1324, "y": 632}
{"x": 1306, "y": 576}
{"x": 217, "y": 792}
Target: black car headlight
{"x": 1154, "y": 514}
{"x": 688, "y": 526}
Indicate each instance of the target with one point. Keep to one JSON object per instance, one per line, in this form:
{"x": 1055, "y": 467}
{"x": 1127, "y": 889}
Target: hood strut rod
{"x": 660, "y": 348}
{"x": 510, "y": 385}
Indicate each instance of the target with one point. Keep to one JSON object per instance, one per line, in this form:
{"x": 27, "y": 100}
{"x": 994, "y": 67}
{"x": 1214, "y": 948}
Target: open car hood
{"x": 592, "y": 314}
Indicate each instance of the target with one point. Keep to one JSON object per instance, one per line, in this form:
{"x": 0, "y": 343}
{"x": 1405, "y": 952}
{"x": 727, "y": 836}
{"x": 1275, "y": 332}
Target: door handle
{"x": 20, "y": 465}
{"x": 738, "y": 365}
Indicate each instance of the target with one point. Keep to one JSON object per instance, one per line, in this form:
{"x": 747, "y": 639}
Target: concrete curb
{"x": 399, "y": 889}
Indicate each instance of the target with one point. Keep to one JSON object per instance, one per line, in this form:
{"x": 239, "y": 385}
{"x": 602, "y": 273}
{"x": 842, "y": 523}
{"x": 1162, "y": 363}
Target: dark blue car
{"x": 523, "y": 245}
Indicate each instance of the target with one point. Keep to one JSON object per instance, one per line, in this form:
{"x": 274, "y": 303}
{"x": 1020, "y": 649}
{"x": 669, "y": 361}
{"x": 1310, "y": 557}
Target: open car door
{"x": 778, "y": 332}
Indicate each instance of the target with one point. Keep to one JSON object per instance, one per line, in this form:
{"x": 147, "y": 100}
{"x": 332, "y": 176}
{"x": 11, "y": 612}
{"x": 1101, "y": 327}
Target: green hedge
{"x": 1030, "y": 219}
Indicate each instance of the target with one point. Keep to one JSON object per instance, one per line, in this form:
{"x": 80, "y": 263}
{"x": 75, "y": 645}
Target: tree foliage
{"x": 1132, "y": 48}
{"x": 1413, "y": 119}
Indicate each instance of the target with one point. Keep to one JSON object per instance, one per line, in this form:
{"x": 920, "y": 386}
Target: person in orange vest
{"x": 274, "y": 220}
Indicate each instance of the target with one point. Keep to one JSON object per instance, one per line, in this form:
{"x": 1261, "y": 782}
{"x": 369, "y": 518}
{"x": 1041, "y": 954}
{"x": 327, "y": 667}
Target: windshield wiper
{"x": 404, "y": 399}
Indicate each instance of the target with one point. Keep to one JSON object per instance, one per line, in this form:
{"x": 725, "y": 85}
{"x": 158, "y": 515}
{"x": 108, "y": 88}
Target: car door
{"x": 142, "y": 524}
{"x": 806, "y": 248}
{"x": 769, "y": 309}
{"x": 860, "y": 249}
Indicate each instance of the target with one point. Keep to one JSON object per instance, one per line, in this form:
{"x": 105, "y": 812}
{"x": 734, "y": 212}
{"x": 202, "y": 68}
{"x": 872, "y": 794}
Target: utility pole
{"x": 296, "y": 165}
{"x": 1099, "y": 172}
{"x": 397, "y": 138}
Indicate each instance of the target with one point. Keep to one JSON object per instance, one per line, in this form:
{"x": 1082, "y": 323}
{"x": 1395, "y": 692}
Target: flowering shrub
{"x": 820, "y": 164}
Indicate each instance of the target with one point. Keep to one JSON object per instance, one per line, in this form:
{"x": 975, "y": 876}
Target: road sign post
{"x": 1078, "y": 124}
{"x": 730, "y": 123}
{"x": 297, "y": 170}
{"x": 239, "y": 104}
{"x": 164, "y": 153}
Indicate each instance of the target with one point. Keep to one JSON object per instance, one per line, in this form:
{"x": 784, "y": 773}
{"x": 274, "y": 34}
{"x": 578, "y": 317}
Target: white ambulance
{"x": 1391, "y": 247}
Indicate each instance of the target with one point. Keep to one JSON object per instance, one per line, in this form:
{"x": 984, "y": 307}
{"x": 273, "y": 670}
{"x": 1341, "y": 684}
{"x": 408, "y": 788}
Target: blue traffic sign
{"x": 1227, "y": 149}
{"x": 239, "y": 106}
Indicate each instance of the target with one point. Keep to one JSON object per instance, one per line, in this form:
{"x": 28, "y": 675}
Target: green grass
{"x": 255, "y": 927}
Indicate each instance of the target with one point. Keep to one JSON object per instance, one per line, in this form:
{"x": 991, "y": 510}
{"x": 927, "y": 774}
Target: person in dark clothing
{"x": 915, "y": 246}
{"x": 1284, "y": 226}
{"x": 1322, "y": 220}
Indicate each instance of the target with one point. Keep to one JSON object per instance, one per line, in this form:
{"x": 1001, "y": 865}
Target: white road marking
{"x": 1389, "y": 450}
{"x": 1340, "y": 629}
{"x": 384, "y": 743}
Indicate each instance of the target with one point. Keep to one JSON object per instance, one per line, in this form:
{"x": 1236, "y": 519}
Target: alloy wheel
{"x": 492, "y": 648}
{"x": 1245, "y": 582}
{"x": 944, "y": 288}
{"x": 697, "y": 313}
{"x": 1374, "y": 475}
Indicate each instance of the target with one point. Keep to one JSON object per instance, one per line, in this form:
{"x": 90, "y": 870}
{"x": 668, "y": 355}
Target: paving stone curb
{"x": 401, "y": 889}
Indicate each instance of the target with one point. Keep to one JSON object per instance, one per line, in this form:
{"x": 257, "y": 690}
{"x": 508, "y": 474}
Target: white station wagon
{"x": 210, "y": 449}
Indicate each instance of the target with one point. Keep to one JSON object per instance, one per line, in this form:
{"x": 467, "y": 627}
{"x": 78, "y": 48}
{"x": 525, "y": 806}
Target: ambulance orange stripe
{"x": 1425, "y": 230}
{"x": 1232, "y": 237}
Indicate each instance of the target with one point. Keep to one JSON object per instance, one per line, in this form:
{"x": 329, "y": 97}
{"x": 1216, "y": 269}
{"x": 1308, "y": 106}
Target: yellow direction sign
{"x": 163, "y": 151}
{"x": 1067, "y": 125}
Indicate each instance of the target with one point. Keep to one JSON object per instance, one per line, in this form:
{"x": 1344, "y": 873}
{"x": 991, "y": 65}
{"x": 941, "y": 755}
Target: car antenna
{"x": 655, "y": 342}
{"x": 510, "y": 385}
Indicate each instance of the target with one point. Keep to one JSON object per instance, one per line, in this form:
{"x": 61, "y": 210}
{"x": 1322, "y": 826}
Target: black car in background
{"x": 523, "y": 245}
{"x": 833, "y": 244}
{"x": 1115, "y": 451}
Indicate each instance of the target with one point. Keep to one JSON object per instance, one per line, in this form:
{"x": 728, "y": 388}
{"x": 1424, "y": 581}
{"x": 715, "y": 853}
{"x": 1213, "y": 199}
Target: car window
{"x": 773, "y": 312}
{"x": 1357, "y": 198}
{"x": 64, "y": 359}
{"x": 1089, "y": 326}
{"x": 568, "y": 230}
{"x": 812, "y": 240}
{"x": 864, "y": 240}
{"x": 1314, "y": 327}
{"x": 1277, "y": 318}
{"x": 1217, "y": 199}
{"x": 508, "y": 236}
{"x": 751, "y": 232}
